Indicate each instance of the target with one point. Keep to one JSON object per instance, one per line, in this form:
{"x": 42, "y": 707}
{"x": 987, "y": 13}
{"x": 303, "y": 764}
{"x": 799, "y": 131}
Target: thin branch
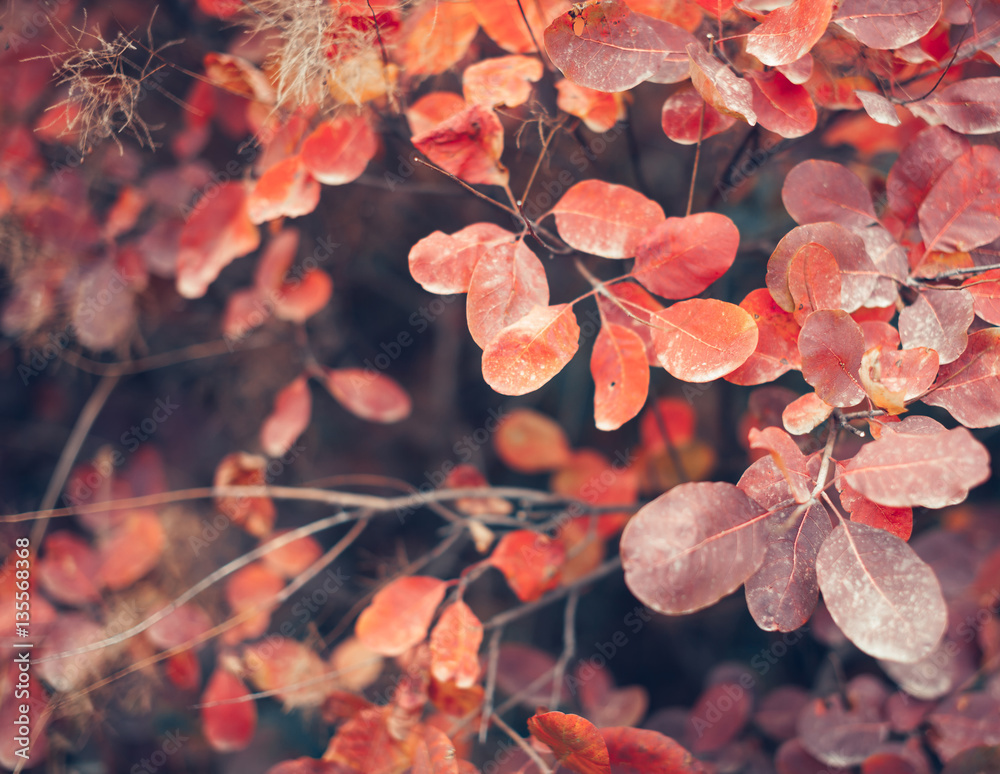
{"x": 504, "y": 618}
{"x": 77, "y": 436}
{"x": 697, "y": 157}
{"x": 530, "y": 751}
{"x": 569, "y": 647}
{"x": 492, "y": 665}
{"x": 162, "y": 360}
{"x": 469, "y": 188}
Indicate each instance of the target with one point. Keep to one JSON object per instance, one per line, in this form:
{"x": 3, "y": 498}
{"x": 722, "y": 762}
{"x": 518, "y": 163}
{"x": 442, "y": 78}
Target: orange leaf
{"x": 676, "y": 416}
{"x": 338, "y": 150}
{"x": 288, "y": 419}
{"x": 303, "y": 297}
{"x": 502, "y": 21}
{"x": 280, "y": 664}
{"x": 432, "y": 109}
{"x": 436, "y": 35}
{"x": 504, "y": 80}
{"x": 284, "y": 190}
{"x": 530, "y": 442}
{"x": 621, "y": 376}
{"x": 576, "y": 741}
{"x": 400, "y": 614}
{"x": 526, "y": 355}
{"x": 251, "y": 588}
{"x": 131, "y": 549}
{"x": 67, "y": 570}
{"x": 789, "y": 32}
{"x": 217, "y": 232}
{"x": 468, "y": 145}
{"x": 702, "y": 339}
{"x": 529, "y": 561}
{"x": 292, "y": 558}
{"x": 369, "y": 395}
{"x": 599, "y": 110}
{"x": 455, "y": 643}
{"x": 444, "y": 263}
{"x": 228, "y": 727}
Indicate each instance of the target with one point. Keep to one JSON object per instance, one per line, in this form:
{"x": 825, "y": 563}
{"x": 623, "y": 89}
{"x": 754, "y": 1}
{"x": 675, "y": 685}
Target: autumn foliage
{"x": 730, "y": 275}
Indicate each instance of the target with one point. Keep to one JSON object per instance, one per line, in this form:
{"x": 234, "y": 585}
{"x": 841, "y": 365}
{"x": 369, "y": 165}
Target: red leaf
{"x": 508, "y": 281}
{"x": 435, "y": 754}
{"x": 599, "y": 110}
{"x": 527, "y": 354}
{"x": 131, "y": 549}
{"x": 963, "y": 722}
{"x": 786, "y": 456}
{"x": 970, "y": 106}
{"x": 641, "y": 751}
{"x": 692, "y": 546}
{"x": 718, "y": 716}
{"x": 284, "y": 190}
{"x": 364, "y": 744}
{"x": 228, "y": 727}
{"x": 681, "y": 257}
{"x": 371, "y": 396}
{"x": 858, "y": 274}
{"x": 789, "y": 32}
{"x": 629, "y": 305}
{"x": 576, "y": 742}
{"x": 959, "y": 212}
{"x": 300, "y": 299}
{"x": 920, "y": 164}
{"x": 898, "y": 521}
{"x": 901, "y": 469}
{"x": 605, "y": 219}
{"x": 878, "y": 108}
{"x": 676, "y": 416}
{"x": 702, "y": 339}
{"x": 681, "y": 118}
{"x": 183, "y": 624}
{"x": 67, "y": 570}
{"x": 454, "y": 643}
{"x": 621, "y": 376}
{"x": 443, "y": 263}
{"x": 529, "y": 561}
{"x": 468, "y": 145}
{"x": 218, "y": 231}
{"x": 832, "y": 345}
{"x": 805, "y": 413}
{"x": 985, "y": 290}
{"x": 969, "y": 387}
{"x": 782, "y": 593}
{"x": 604, "y": 46}
{"x": 781, "y": 106}
{"x": 529, "y": 442}
{"x": 816, "y": 191}
{"x": 880, "y": 593}
{"x": 938, "y": 319}
{"x": 504, "y": 80}
{"x": 289, "y": 418}
{"x": 777, "y": 348}
{"x": 400, "y": 614}
{"x": 719, "y": 86}
{"x": 878, "y": 26}
{"x": 432, "y": 109}
{"x": 255, "y": 514}
{"x": 891, "y": 377}
{"x": 813, "y": 280}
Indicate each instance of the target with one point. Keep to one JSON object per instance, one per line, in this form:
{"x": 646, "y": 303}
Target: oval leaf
{"x": 702, "y": 339}
{"x": 692, "y": 546}
{"x": 508, "y": 281}
{"x": 880, "y": 593}
{"x": 289, "y": 418}
{"x": 621, "y": 376}
{"x": 576, "y": 742}
{"x": 400, "y": 614}
{"x": 369, "y": 395}
{"x": 526, "y": 355}
{"x": 605, "y": 219}
{"x": 832, "y": 346}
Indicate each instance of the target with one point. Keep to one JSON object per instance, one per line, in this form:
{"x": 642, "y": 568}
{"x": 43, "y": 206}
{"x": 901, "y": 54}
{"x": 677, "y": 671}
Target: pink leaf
{"x": 443, "y": 263}
{"x": 702, "y": 339}
{"x": 790, "y": 31}
{"x": 506, "y": 283}
{"x": 369, "y": 395}
{"x": 605, "y": 219}
{"x": 959, "y": 212}
{"x": 832, "y": 345}
{"x": 719, "y": 86}
{"x": 692, "y": 546}
{"x": 969, "y": 387}
{"x": 878, "y": 26}
{"x": 289, "y": 418}
{"x": 880, "y": 593}
{"x": 816, "y": 191}
{"x": 938, "y": 319}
